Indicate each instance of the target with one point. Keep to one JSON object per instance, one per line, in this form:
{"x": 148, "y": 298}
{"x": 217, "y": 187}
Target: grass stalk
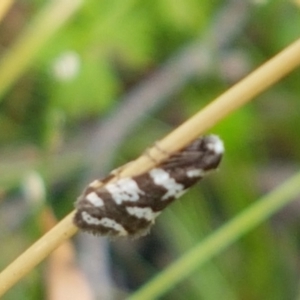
{"x": 220, "y": 239}
{"x": 5, "y": 5}
{"x": 258, "y": 81}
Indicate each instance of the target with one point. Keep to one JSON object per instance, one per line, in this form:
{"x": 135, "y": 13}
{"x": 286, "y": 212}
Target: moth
{"x": 130, "y": 205}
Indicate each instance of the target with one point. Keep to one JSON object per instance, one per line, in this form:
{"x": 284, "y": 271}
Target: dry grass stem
{"x": 36, "y": 253}
{"x": 62, "y": 273}
{"x": 4, "y": 7}
{"x": 238, "y": 95}
{"x": 258, "y": 81}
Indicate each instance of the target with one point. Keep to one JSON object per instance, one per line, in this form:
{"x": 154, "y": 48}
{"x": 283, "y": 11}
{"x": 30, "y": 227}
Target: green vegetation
{"x": 87, "y": 86}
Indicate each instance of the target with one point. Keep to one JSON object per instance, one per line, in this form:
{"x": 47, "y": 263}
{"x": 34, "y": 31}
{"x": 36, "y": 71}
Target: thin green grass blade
{"x": 220, "y": 239}
{"x": 47, "y": 22}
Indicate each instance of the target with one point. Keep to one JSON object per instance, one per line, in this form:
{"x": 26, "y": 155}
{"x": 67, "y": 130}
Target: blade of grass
{"x": 258, "y": 81}
{"x": 4, "y": 7}
{"x": 220, "y": 239}
{"x": 39, "y": 31}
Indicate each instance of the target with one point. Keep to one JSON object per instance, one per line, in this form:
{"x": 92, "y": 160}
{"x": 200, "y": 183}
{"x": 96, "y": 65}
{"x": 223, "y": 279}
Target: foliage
{"x": 80, "y": 74}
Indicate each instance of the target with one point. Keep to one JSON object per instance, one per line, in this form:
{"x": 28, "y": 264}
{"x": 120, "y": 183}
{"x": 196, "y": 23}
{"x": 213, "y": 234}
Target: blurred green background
{"x": 86, "y": 86}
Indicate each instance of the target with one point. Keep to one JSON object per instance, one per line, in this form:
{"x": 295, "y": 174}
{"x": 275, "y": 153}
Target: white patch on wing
{"x": 125, "y": 189}
{"x": 195, "y": 173}
{"x": 142, "y": 212}
{"x": 216, "y": 144}
{"x": 94, "y": 199}
{"x": 162, "y": 178}
{"x": 105, "y": 222}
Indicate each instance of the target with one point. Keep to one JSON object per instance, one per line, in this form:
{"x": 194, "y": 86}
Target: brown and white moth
{"x": 129, "y": 206}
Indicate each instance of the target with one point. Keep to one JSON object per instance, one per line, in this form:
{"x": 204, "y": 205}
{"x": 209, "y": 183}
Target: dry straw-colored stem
{"x": 244, "y": 91}
{"x": 4, "y": 7}
{"x": 258, "y": 81}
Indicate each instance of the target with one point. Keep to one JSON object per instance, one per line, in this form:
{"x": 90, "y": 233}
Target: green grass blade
{"x": 220, "y": 239}
{"x": 35, "y": 36}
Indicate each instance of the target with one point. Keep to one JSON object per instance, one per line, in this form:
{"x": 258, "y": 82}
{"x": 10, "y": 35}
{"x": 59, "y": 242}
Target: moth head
{"x": 210, "y": 151}
{"x": 204, "y": 154}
